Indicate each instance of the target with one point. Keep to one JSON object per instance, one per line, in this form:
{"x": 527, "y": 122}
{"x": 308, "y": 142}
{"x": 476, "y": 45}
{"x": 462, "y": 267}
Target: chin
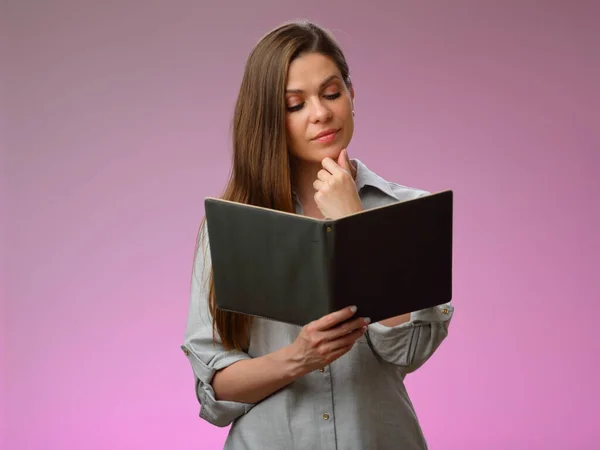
{"x": 314, "y": 153}
{"x": 332, "y": 150}
{"x": 316, "y": 156}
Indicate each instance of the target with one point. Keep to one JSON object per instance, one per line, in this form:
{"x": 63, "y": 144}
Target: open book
{"x": 387, "y": 261}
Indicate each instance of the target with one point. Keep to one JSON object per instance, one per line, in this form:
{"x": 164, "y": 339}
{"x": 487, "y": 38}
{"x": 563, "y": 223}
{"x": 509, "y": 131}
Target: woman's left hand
{"x": 336, "y": 194}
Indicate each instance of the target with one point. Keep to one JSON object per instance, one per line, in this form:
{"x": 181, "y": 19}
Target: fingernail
{"x": 367, "y": 320}
{"x": 353, "y": 309}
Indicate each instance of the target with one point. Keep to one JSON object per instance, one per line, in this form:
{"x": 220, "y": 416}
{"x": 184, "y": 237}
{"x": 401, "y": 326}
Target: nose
{"x": 319, "y": 112}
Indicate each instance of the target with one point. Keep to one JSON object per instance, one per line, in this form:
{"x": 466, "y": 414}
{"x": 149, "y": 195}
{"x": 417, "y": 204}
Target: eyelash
{"x": 299, "y": 107}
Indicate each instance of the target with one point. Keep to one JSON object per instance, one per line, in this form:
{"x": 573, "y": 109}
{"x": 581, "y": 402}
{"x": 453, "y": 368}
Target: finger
{"x": 318, "y": 185}
{"x": 347, "y": 327}
{"x": 319, "y": 200}
{"x": 349, "y": 339}
{"x": 323, "y": 175}
{"x": 339, "y": 353}
{"x": 332, "y": 319}
{"x": 332, "y": 167}
{"x": 343, "y": 160}
{"x": 351, "y": 169}
{"x": 345, "y": 341}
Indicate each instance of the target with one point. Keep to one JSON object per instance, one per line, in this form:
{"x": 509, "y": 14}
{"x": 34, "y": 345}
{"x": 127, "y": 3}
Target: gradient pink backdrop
{"x": 117, "y": 117}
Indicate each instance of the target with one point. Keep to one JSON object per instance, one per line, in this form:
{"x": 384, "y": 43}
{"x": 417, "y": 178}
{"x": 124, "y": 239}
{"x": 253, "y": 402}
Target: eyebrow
{"x": 300, "y": 91}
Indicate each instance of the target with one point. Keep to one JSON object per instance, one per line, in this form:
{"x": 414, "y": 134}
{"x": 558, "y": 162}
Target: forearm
{"x": 252, "y": 380}
{"x": 410, "y": 346}
{"x": 393, "y": 321}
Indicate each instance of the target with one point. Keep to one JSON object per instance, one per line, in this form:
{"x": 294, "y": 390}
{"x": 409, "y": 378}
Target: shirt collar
{"x": 365, "y": 177}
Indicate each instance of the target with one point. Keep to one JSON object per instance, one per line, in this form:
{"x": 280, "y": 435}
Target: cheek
{"x": 346, "y": 108}
{"x": 294, "y": 128}
{"x": 348, "y": 125}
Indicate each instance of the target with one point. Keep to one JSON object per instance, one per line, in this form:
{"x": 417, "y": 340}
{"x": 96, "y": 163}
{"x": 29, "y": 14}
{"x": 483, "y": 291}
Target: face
{"x": 319, "y": 118}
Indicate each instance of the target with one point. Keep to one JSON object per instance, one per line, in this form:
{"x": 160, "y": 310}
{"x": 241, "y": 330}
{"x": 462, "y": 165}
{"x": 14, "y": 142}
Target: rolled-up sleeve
{"x": 410, "y": 344}
{"x": 205, "y": 355}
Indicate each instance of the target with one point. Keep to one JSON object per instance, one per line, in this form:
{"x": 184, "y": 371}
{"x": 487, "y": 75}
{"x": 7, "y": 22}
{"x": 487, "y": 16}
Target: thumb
{"x": 343, "y": 160}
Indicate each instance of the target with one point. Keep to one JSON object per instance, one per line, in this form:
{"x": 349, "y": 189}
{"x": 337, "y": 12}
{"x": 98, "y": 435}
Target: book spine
{"x": 329, "y": 264}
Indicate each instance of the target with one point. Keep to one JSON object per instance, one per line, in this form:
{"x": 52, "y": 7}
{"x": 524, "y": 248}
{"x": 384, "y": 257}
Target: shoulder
{"x": 406, "y": 192}
{"x": 366, "y": 178}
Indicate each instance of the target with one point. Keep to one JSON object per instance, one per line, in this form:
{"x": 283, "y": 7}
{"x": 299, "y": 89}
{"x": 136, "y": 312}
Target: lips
{"x": 325, "y": 134}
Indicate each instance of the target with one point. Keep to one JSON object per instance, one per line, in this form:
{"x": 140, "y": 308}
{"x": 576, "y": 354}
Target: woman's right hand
{"x": 328, "y": 338}
{"x": 318, "y": 344}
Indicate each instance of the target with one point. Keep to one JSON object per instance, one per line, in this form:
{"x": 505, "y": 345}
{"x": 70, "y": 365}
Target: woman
{"x": 327, "y": 385}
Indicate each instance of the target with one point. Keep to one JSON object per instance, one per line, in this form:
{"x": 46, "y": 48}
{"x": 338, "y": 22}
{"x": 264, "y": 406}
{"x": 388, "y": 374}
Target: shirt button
{"x": 186, "y": 351}
{"x": 326, "y": 416}
{"x": 445, "y": 311}
{"x": 321, "y": 370}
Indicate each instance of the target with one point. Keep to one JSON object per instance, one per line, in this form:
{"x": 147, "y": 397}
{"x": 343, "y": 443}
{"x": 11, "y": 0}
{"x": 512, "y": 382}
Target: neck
{"x": 303, "y": 176}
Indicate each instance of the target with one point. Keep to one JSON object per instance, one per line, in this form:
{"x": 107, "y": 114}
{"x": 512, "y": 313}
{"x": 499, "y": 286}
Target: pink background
{"x": 117, "y": 117}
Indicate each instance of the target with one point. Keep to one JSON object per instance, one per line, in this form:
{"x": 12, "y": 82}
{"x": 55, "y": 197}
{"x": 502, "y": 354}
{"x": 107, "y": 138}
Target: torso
{"x": 358, "y": 402}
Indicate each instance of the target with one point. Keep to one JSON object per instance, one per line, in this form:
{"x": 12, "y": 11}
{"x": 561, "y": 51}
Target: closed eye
{"x": 299, "y": 106}
{"x": 332, "y": 96}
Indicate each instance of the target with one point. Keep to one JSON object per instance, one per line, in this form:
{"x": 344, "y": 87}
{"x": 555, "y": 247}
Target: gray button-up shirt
{"x": 358, "y": 402}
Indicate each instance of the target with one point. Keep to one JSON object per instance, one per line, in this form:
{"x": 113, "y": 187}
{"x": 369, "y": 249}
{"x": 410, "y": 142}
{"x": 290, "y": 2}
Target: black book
{"x": 387, "y": 261}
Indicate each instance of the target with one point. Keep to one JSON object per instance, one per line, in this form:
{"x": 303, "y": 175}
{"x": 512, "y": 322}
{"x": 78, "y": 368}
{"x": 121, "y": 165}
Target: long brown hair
{"x": 261, "y": 170}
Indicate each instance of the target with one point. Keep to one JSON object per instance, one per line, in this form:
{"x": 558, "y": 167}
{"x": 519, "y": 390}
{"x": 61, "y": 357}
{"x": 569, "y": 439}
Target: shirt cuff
{"x": 217, "y": 412}
{"x": 411, "y": 343}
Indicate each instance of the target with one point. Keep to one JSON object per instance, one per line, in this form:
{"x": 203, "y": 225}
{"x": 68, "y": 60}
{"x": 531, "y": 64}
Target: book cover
{"x": 387, "y": 260}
